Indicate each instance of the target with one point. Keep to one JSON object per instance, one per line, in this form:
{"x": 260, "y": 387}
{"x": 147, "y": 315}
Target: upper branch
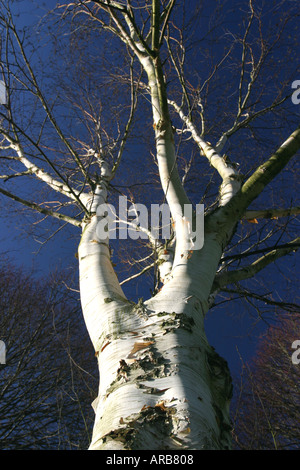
{"x": 271, "y": 213}
{"x": 41, "y": 174}
{"x": 261, "y": 177}
{"x": 231, "y": 277}
{"x": 266, "y": 172}
{"x": 38, "y": 93}
{"x": 155, "y": 26}
{"x": 231, "y": 179}
{"x": 42, "y": 210}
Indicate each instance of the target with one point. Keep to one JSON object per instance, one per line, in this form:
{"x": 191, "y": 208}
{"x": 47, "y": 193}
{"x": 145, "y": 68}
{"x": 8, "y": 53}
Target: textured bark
{"x": 162, "y": 386}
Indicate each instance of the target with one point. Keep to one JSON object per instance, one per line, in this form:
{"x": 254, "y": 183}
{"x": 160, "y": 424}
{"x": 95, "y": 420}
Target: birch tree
{"x": 207, "y": 97}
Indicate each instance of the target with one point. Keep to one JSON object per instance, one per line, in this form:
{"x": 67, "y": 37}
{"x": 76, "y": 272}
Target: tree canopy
{"x": 180, "y": 102}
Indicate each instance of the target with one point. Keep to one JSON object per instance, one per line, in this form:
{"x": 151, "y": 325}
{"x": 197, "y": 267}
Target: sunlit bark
{"x": 162, "y": 386}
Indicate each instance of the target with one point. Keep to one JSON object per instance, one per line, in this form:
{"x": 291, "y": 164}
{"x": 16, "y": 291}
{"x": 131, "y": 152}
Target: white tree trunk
{"x": 161, "y": 385}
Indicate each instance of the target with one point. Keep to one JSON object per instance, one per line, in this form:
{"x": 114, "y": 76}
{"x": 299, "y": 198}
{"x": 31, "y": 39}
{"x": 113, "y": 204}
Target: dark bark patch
{"x": 178, "y": 320}
{"x": 150, "y": 419}
{"x": 221, "y": 389}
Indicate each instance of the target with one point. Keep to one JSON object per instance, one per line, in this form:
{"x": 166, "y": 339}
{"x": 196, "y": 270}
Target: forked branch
{"x": 247, "y": 272}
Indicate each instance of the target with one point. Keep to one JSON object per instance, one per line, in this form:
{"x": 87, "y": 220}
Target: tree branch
{"x": 257, "y": 182}
{"x": 268, "y": 170}
{"x": 167, "y": 13}
{"x": 37, "y": 92}
{"x": 271, "y": 213}
{"x": 231, "y": 179}
{"x": 134, "y": 276}
{"x": 289, "y": 306}
{"x": 42, "y": 210}
{"x": 41, "y": 174}
{"x": 232, "y": 277}
{"x": 129, "y": 122}
{"x": 155, "y": 20}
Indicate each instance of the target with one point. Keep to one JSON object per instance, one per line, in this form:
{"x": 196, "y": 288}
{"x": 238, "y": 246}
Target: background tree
{"x": 267, "y": 413}
{"x": 48, "y": 381}
{"x": 206, "y": 98}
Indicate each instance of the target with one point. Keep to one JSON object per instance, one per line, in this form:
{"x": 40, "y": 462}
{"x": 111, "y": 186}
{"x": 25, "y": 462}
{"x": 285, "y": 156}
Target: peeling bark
{"x": 162, "y": 386}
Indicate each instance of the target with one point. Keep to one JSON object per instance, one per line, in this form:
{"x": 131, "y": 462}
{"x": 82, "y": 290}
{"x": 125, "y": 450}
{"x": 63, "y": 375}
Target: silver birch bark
{"x": 162, "y": 386}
